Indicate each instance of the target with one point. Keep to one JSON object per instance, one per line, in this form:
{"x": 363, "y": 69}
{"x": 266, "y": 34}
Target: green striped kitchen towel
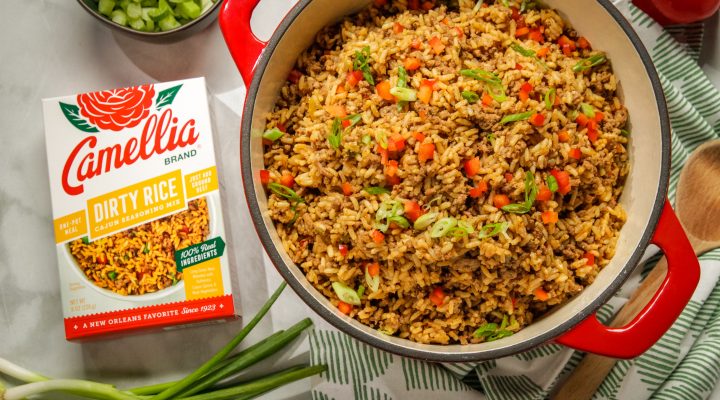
{"x": 684, "y": 364}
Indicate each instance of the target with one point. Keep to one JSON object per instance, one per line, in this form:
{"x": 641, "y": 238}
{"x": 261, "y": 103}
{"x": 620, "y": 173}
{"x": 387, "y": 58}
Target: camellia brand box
{"x": 136, "y": 207}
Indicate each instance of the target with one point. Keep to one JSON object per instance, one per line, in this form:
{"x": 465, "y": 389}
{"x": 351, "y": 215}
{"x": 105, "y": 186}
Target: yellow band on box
{"x": 135, "y": 204}
{"x": 70, "y": 226}
{"x": 201, "y": 182}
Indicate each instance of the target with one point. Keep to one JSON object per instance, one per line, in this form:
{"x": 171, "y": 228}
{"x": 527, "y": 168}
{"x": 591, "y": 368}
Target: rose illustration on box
{"x": 116, "y": 109}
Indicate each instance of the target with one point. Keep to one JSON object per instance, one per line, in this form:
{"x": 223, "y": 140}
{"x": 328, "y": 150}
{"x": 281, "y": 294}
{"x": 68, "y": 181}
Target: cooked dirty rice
{"x": 142, "y": 259}
{"x": 447, "y": 156}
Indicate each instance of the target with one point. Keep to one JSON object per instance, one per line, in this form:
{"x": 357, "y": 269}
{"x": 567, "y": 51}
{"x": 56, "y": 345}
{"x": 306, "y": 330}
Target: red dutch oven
{"x": 264, "y": 67}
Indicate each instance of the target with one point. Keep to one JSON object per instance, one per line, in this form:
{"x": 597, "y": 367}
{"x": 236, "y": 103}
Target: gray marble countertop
{"x": 52, "y": 48}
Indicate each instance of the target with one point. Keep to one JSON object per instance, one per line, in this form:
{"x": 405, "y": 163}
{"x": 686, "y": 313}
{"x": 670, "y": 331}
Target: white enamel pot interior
{"x": 265, "y": 66}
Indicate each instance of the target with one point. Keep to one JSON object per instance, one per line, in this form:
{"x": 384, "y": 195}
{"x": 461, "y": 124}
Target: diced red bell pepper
{"x": 398, "y": 28}
{"x": 549, "y": 217}
{"x": 537, "y": 119}
{"x": 347, "y": 188}
{"x": 344, "y": 307}
{"x": 563, "y": 180}
{"x": 478, "y": 190}
{"x": 353, "y": 78}
{"x": 590, "y": 258}
{"x": 472, "y": 167}
{"x": 373, "y": 269}
{"x": 544, "y": 194}
{"x": 426, "y": 152}
{"x": 500, "y": 200}
{"x": 437, "y": 296}
{"x": 377, "y": 236}
{"x": 413, "y": 210}
{"x": 436, "y": 44}
{"x": 287, "y": 180}
{"x": 575, "y": 153}
{"x": 343, "y": 249}
{"x": 383, "y": 90}
{"x": 264, "y": 176}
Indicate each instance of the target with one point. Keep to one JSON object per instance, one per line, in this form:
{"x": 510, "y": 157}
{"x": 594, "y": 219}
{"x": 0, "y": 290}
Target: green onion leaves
{"x": 404, "y": 94}
{"x": 491, "y": 230}
{"x": 492, "y": 331}
{"x": 361, "y": 64}
{"x": 584, "y": 65}
{"x": 112, "y": 275}
{"x": 552, "y": 183}
{"x": 376, "y": 190}
{"x": 549, "y": 99}
{"x": 273, "y": 134}
{"x": 470, "y": 96}
{"x": 625, "y": 132}
{"x": 531, "y": 190}
{"x": 346, "y": 294}
{"x": 516, "y": 117}
{"x": 390, "y": 211}
{"x": 443, "y": 227}
{"x": 425, "y": 220}
{"x": 335, "y": 136}
{"x": 461, "y": 229}
{"x": 289, "y": 194}
{"x": 373, "y": 282}
{"x": 528, "y": 53}
{"x": 336, "y": 131}
{"x": 588, "y": 110}
{"x": 492, "y": 82}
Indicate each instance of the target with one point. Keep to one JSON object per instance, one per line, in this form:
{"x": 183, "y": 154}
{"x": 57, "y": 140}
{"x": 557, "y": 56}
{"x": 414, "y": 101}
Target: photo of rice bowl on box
{"x": 141, "y": 260}
{"x": 448, "y": 176}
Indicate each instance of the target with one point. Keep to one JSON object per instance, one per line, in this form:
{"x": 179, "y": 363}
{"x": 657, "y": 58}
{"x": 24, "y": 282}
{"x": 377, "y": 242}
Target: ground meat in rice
{"x": 441, "y": 288}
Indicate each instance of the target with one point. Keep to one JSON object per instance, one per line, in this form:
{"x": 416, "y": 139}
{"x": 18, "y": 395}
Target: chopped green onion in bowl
{"x": 152, "y": 15}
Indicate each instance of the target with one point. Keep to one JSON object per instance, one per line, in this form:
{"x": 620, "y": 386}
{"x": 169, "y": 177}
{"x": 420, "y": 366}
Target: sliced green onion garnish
{"x": 361, "y": 291}
{"x": 346, "y": 294}
{"x": 491, "y": 230}
{"x": 388, "y": 208}
{"x": 588, "y": 110}
{"x": 522, "y": 50}
{"x": 478, "y": 6}
{"x": 462, "y": 229}
{"x": 361, "y": 64}
{"x": 572, "y": 115}
{"x": 273, "y": 134}
{"x": 399, "y": 221}
{"x": 335, "y": 136}
{"x": 354, "y": 119}
{"x": 625, "y": 132}
{"x": 485, "y": 330}
{"x": 470, "y": 96}
{"x": 402, "y": 77}
{"x": 112, "y": 275}
{"x": 373, "y": 282}
{"x": 549, "y": 99}
{"x": 590, "y": 62}
{"x": 286, "y": 192}
{"x": 366, "y": 139}
{"x": 425, "y": 220}
{"x": 376, "y": 190}
{"x": 119, "y": 17}
{"x": 146, "y": 248}
{"x": 491, "y": 138}
{"x": 552, "y": 183}
{"x": 523, "y": 5}
{"x": 381, "y": 139}
{"x": 404, "y": 94}
{"x": 443, "y": 227}
{"x": 531, "y": 190}
{"x": 492, "y": 82}
{"x": 528, "y": 53}
{"x": 516, "y": 117}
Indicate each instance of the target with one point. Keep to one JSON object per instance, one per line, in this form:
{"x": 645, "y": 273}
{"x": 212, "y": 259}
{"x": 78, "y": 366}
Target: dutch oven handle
{"x": 244, "y": 46}
{"x": 662, "y": 310}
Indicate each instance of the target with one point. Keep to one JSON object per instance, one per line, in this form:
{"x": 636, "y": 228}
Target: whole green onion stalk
{"x": 199, "y": 385}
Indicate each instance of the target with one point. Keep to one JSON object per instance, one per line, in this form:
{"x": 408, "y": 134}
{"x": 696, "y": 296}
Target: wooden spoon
{"x": 698, "y": 209}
